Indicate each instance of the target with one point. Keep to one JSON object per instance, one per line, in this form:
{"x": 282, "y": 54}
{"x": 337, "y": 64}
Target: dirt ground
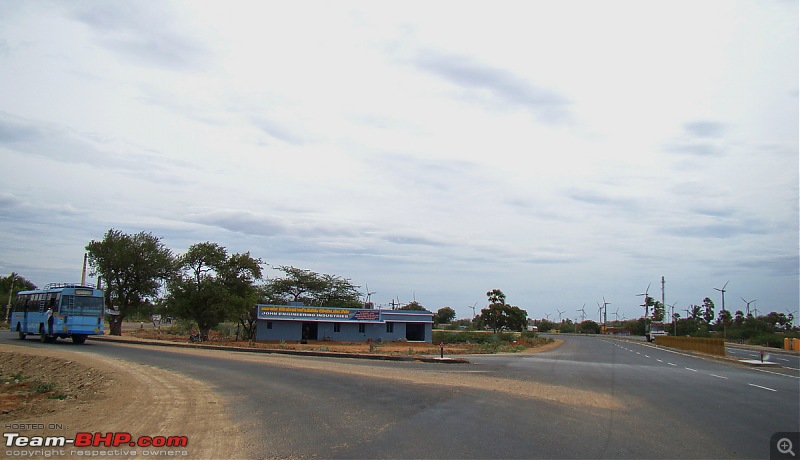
{"x": 103, "y": 395}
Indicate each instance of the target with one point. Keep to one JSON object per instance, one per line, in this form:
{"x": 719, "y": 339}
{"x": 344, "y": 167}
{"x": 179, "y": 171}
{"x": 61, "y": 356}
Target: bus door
{"x": 25, "y": 315}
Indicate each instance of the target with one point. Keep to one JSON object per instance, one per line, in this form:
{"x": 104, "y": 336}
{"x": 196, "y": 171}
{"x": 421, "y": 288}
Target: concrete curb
{"x": 325, "y": 354}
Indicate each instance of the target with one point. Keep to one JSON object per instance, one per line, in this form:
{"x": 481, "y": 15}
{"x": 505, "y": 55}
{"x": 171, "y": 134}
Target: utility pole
{"x": 10, "y": 294}
{"x": 663, "y": 304}
{"x": 724, "y": 326}
{"x": 83, "y": 274}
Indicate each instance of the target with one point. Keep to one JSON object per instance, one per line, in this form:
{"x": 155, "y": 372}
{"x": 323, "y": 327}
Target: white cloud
{"x": 560, "y": 152}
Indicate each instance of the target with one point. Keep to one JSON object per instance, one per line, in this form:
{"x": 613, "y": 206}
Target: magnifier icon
{"x": 785, "y": 446}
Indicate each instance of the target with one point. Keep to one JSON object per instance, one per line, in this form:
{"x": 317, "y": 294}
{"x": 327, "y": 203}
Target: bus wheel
{"x": 78, "y": 338}
{"x": 21, "y": 334}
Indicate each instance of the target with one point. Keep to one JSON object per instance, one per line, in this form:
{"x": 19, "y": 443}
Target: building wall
{"x": 393, "y": 327}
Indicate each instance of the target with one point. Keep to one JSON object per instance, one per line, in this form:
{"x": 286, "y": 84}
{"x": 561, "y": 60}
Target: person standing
{"x": 49, "y": 321}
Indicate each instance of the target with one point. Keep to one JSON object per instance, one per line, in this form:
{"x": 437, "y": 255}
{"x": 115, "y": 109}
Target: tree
{"x": 212, "y": 287}
{"x": 311, "y": 288}
{"x": 132, "y": 268}
{"x": 413, "y": 305}
{"x": 708, "y": 310}
{"x": 444, "y": 315}
{"x": 496, "y": 296}
{"x": 499, "y": 315}
{"x": 589, "y": 327}
{"x": 517, "y": 318}
{"x": 9, "y": 287}
{"x": 658, "y": 310}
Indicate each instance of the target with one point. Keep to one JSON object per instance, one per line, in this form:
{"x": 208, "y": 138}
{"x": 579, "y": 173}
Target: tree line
{"x": 207, "y": 284}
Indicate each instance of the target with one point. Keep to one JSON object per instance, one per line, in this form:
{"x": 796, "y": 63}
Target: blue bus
{"x": 59, "y": 310}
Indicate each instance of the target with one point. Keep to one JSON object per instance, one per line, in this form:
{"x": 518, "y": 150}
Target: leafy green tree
{"x": 132, "y": 268}
{"x": 494, "y": 316}
{"x": 311, "y": 288}
{"x": 589, "y": 327}
{"x": 9, "y": 287}
{"x": 499, "y": 315}
{"x": 658, "y": 310}
{"x": 444, "y": 315}
{"x": 212, "y": 286}
{"x": 496, "y": 296}
{"x": 708, "y": 310}
{"x": 725, "y": 318}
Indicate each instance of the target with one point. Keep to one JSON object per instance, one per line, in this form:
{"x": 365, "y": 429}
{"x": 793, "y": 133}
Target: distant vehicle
{"x": 63, "y": 310}
{"x": 653, "y": 330}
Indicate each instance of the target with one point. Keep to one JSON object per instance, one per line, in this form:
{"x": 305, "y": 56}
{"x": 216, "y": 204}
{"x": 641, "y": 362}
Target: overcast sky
{"x": 560, "y": 151}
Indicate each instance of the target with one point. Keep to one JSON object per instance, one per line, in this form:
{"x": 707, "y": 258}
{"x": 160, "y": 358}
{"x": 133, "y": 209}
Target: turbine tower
{"x": 646, "y": 296}
{"x": 747, "y": 309}
{"x": 723, "y": 294}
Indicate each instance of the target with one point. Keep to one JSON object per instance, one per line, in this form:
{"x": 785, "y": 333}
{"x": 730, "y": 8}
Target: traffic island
{"x": 759, "y": 363}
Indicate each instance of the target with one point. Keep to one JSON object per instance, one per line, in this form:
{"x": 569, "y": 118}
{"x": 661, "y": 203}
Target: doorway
{"x": 415, "y": 332}
{"x": 309, "y": 331}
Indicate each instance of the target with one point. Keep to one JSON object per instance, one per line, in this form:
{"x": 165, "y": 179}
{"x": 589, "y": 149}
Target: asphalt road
{"x": 784, "y": 359}
{"x": 671, "y": 405}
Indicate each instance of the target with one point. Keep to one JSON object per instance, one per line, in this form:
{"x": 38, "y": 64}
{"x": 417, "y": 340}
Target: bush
{"x": 767, "y": 340}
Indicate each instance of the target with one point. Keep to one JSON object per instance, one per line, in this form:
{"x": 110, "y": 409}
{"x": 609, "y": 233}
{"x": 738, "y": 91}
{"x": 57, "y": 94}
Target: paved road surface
{"x": 671, "y": 405}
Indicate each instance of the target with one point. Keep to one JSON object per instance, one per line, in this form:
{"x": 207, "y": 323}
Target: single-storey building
{"x": 302, "y": 322}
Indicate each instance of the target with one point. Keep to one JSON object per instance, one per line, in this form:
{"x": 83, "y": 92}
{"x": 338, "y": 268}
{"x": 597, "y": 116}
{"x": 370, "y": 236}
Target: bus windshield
{"x": 76, "y": 305}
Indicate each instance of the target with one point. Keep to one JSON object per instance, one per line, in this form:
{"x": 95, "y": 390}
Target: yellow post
{"x": 796, "y": 343}
{"x": 787, "y": 345}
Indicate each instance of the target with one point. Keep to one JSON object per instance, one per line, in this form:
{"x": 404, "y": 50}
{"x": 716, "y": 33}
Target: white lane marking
{"x": 659, "y": 360}
{"x": 759, "y": 386}
{"x": 638, "y": 353}
{"x": 792, "y": 368}
{"x": 670, "y": 364}
{"x": 718, "y": 376}
{"x": 777, "y": 373}
{"x": 690, "y": 369}
{"x": 646, "y": 356}
{"x": 782, "y": 359}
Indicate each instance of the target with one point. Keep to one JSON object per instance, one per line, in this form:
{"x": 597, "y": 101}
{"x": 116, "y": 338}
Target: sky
{"x": 565, "y": 152}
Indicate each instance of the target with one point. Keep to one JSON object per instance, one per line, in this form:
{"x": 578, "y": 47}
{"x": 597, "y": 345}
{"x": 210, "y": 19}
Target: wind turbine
{"x": 559, "y": 315}
{"x": 747, "y": 312}
{"x": 616, "y": 315}
{"x": 473, "y": 308}
{"x": 723, "y": 294}
{"x": 583, "y": 312}
{"x": 547, "y": 315}
{"x": 646, "y": 296}
{"x": 367, "y": 303}
{"x": 605, "y": 310}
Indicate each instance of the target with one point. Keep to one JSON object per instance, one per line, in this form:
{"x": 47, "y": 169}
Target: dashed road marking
{"x": 759, "y": 386}
{"x": 690, "y": 369}
{"x": 718, "y": 376}
{"x": 671, "y": 364}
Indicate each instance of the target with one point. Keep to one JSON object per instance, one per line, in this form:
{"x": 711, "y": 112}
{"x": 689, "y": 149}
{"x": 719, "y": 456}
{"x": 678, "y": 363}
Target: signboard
{"x": 317, "y": 313}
